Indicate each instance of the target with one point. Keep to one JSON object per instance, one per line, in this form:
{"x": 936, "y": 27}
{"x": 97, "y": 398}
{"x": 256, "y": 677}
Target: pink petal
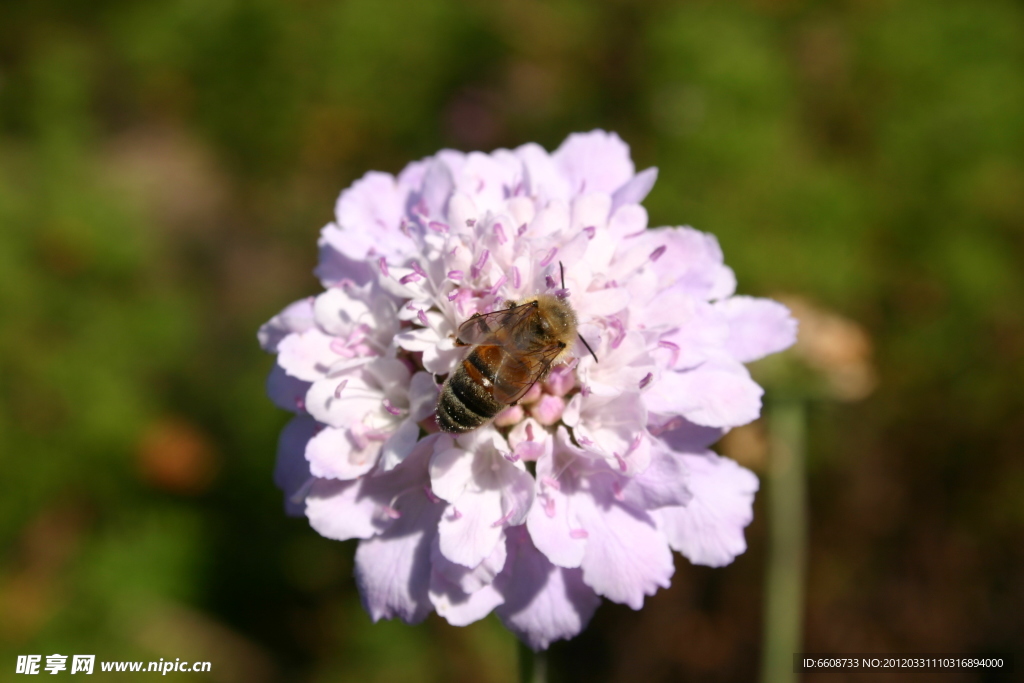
{"x": 636, "y": 188}
{"x": 296, "y": 317}
{"x": 594, "y": 162}
{"x": 626, "y": 556}
{"x": 709, "y": 529}
{"x": 332, "y": 454}
{"x": 306, "y": 355}
{"x": 458, "y": 607}
{"x": 291, "y": 471}
{"x": 757, "y": 327}
{"x": 716, "y": 394}
{"x": 339, "y": 510}
{"x": 393, "y": 569}
{"x": 285, "y": 391}
{"x": 543, "y": 603}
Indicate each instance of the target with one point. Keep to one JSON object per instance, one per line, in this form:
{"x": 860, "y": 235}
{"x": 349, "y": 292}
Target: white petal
{"x": 306, "y": 355}
{"x": 757, "y": 327}
{"x": 297, "y": 317}
{"x": 338, "y": 510}
{"x": 709, "y": 529}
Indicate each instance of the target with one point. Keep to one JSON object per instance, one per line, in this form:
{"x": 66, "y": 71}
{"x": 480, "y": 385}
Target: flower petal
{"x": 709, "y": 529}
{"x": 757, "y": 327}
{"x": 285, "y": 391}
{"x": 636, "y": 189}
{"x": 626, "y": 556}
{"x": 291, "y": 471}
{"x": 543, "y": 603}
{"x": 340, "y": 510}
{"x": 333, "y": 454}
{"x": 718, "y": 393}
{"x": 393, "y": 569}
{"x": 306, "y": 355}
{"x": 594, "y": 162}
{"x": 296, "y": 317}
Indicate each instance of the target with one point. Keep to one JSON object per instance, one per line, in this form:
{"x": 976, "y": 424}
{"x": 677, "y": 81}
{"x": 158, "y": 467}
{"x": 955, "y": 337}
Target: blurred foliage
{"x": 165, "y": 167}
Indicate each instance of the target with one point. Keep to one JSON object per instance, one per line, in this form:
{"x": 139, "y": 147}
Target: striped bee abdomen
{"x": 466, "y": 401}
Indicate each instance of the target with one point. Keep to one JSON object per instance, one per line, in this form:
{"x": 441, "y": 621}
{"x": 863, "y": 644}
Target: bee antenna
{"x": 561, "y": 269}
{"x": 588, "y": 348}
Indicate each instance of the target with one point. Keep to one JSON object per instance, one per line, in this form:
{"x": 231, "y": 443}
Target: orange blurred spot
{"x": 176, "y": 456}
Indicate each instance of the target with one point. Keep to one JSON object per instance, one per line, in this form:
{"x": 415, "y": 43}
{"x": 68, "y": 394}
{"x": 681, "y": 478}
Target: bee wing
{"x": 481, "y": 328}
{"x": 515, "y": 376}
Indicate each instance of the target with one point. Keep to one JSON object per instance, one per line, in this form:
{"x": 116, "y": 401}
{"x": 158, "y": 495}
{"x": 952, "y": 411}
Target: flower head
{"x": 583, "y": 488}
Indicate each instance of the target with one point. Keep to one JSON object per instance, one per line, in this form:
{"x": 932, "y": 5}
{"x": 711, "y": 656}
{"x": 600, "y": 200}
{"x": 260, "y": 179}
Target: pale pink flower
{"x": 582, "y": 490}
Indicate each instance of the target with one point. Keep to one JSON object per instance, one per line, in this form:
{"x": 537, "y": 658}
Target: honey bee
{"x": 513, "y": 349}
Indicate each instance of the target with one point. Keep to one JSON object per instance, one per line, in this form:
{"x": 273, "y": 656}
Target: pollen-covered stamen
{"x": 657, "y": 253}
{"x": 455, "y": 275}
{"x": 499, "y": 234}
{"x": 382, "y": 263}
{"x": 621, "y": 462}
{"x": 430, "y": 494}
{"x": 411, "y": 277}
{"x": 455, "y": 513}
{"x": 591, "y": 231}
{"x": 418, "y": 269}
{"x": 437, "y": 226}
{"x": 470, "y": 222}
{"x": 578, "y": 534}
{"x": 516, "y": 281}
{"x": 521, "y": 230}
{"x": 617, "y": 491}
{"x": 341, "y": 385}
{"x": 584, "y": 441}
{"x": 549, "y": 282}
{"x": 498, "y": 285}
{"x": 388, "y": 406}
{"x": 504, "y": 518}
{"x": 391, "y": 512}
{"x": 674, "y": 348}
{"x": 454, "y": 294}
{"x": 549, "y": 258}
{"x": 512, "y": 457}
{"x": 422, "y": 317}
{"x": 646, "y": 380}
{"x": 674, "y": 423}
{"x": 478, "y": 267}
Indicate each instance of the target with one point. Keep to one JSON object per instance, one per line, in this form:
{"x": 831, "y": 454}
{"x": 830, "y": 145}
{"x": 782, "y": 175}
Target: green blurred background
{"x": 165, "y": 167}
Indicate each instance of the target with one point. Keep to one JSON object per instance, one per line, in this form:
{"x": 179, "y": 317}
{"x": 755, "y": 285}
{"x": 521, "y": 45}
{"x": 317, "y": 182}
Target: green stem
{"x": 533, "y": 666}
{"x": 787, "y": 531}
